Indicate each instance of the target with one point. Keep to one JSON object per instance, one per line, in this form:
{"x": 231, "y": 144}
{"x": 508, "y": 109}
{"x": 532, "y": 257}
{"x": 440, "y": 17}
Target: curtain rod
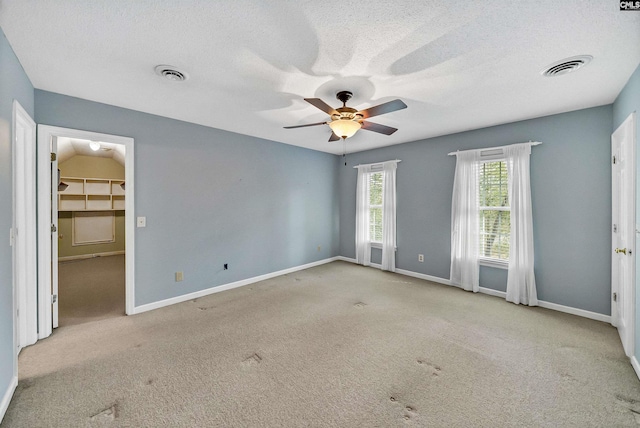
{"x": 378, "y": 163}
{"x": 531, "y": 143}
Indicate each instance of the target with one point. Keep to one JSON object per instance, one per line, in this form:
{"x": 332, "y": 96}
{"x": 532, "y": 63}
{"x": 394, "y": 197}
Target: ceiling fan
{"x": 346, "y": 121}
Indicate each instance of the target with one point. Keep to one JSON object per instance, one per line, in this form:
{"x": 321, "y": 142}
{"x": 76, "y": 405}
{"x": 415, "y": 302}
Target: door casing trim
{"x": 45, "y": 134}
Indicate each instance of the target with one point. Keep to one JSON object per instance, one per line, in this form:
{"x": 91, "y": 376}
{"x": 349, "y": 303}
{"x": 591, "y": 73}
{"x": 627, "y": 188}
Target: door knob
{"x": 621, "y": 250}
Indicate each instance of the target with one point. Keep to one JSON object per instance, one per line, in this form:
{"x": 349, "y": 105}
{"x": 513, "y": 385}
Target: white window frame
{"x": 79, "y": 218}
{"x": 482, "y": 260}
{"x": 374, "y": 243}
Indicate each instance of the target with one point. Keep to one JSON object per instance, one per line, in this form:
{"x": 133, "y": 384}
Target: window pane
{"x": 375, "y": 207}
{"x": 495, "y": 225}
{"x": 375, "y": 188}
{"x": 375, "y": 224}
{"x": 493, "y": 184}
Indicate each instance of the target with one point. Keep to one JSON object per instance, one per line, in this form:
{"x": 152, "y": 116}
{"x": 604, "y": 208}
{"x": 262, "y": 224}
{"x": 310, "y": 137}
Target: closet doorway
{"x": 91, "y": 226}
{"x": 86, "y": 262}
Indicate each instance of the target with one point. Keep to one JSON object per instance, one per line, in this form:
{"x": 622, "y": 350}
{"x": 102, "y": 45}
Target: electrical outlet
{"x": 421, "y": 258}
{"x": 319, "y": 248}
{"x": 226, "y": 266}
{"x": 179, "y": 276}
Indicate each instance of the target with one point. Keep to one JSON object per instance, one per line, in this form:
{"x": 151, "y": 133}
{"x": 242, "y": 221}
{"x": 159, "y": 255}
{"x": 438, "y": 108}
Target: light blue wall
{"x": 627, "y": 102}
{"x": 213, "y": 197}
{"x": 571, "y": 190}
{"x": 14, "y": 84}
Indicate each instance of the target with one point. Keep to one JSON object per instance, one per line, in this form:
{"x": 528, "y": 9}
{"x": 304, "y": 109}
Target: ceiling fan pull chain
{"x": 344, "y": 150}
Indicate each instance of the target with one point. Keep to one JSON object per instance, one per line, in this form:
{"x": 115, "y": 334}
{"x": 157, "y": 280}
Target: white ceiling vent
{"x": 566, "y": 65}
{"x": 172, "y": 73}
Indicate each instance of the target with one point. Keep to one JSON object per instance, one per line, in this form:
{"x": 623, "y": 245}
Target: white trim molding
{"x": 91, "y": 256}
{"x": 497, "y": 293}
{"x": 8, "y": 395}
{"x": 23, "y": 235}
{"x": 575, "y": 311}
{"x": 424, "y": 276}
{"x": 45, "y": 135}
{"x": 229, "y": 286}
{"x": 635, "y": 365}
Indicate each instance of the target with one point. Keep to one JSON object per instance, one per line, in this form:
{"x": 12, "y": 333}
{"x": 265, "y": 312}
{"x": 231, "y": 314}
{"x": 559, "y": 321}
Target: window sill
{"x": 500, "y": 264}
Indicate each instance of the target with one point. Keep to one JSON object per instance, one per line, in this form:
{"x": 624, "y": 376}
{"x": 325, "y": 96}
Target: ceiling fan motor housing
{"x": 344, "y": 96}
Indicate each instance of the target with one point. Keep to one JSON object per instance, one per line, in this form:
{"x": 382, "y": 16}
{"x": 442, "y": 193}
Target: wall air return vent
{"x": 171, "y": 73}
{"x": 566, "y": 65}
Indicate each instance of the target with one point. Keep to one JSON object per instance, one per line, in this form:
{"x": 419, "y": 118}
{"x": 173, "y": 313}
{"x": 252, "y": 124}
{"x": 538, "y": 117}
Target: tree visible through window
{"x": 375, "y": 206}
{"x": 494, "y": 210}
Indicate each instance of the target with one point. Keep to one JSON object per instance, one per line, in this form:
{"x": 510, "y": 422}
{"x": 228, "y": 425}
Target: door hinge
{"x": 53, "y": 228}
{"x": 54, "y": 157}
{"x": 615, "y": 297}
{"x": 615, "y": 228}
{"x": 54, "y": 298}
{"x": 614, "y": 159}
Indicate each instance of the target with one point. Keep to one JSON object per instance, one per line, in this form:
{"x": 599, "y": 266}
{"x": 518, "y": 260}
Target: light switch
{"x": 142, "y": 222}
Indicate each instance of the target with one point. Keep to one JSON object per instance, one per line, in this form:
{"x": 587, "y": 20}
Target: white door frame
{"x": 623, "y": 266}
{"x": 23, "y": 229}
{"x": 45, "y": 256}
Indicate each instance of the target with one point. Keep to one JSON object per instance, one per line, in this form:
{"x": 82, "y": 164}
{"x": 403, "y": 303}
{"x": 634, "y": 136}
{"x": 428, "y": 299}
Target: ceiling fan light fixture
{"x": 345, "y": 128}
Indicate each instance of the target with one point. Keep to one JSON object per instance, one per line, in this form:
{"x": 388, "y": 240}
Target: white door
{"x": 23, "y": 236}
{"x": 54, "y": 232}
{"x": 623, "y": 232}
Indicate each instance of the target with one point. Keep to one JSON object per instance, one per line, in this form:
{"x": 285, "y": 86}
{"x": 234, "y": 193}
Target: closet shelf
{"x": 91, "y": 194}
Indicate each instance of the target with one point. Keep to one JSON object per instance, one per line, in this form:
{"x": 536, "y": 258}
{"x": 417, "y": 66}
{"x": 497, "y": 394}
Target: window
{"x": 376, "y": 213}
{"x": 375, "y": 206}
{"x": 490, "y": 204}
{"x": 494, "y": 211}
{"x": 93, "y": 227}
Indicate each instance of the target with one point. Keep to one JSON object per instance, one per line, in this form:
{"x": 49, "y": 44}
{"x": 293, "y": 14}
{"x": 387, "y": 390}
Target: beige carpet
{"x": 338, "y": 345}
{"x": 90, "y": 289}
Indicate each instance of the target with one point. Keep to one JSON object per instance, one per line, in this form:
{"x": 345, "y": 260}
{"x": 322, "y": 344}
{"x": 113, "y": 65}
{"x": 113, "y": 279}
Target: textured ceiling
{"x": 458, "y": 65}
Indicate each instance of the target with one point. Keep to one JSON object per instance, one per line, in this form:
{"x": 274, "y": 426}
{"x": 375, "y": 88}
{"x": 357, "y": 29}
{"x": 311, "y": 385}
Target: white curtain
{"x": 363, "y": 247}
{"x": 521, "y": 283}
{"x": 464, "y": 222}
{"x": 389, "y": 217}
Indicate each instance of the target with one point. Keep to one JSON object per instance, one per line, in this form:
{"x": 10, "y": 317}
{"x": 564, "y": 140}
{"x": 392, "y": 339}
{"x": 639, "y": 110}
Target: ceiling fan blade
{"x": 318, "y": 103}
{"x": 384, "y": 108}
{"x": 303, "y": 126}
{"x": 376, "y": 127}
{"x": 333, "y": 137}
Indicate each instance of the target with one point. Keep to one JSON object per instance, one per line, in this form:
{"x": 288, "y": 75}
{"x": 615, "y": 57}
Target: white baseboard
{"x": 423, "y": 276}
{"x": 6, "y": 399}
{"x": 554, "y": 306}
{"x": 635, "y": 365}
{"x": 90, "y": 256}
{"x": 484, "y": 290}
{"x": 574, "y": 311}
{"x": 491, "y": 292}
{"x": 224, "y": 287}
